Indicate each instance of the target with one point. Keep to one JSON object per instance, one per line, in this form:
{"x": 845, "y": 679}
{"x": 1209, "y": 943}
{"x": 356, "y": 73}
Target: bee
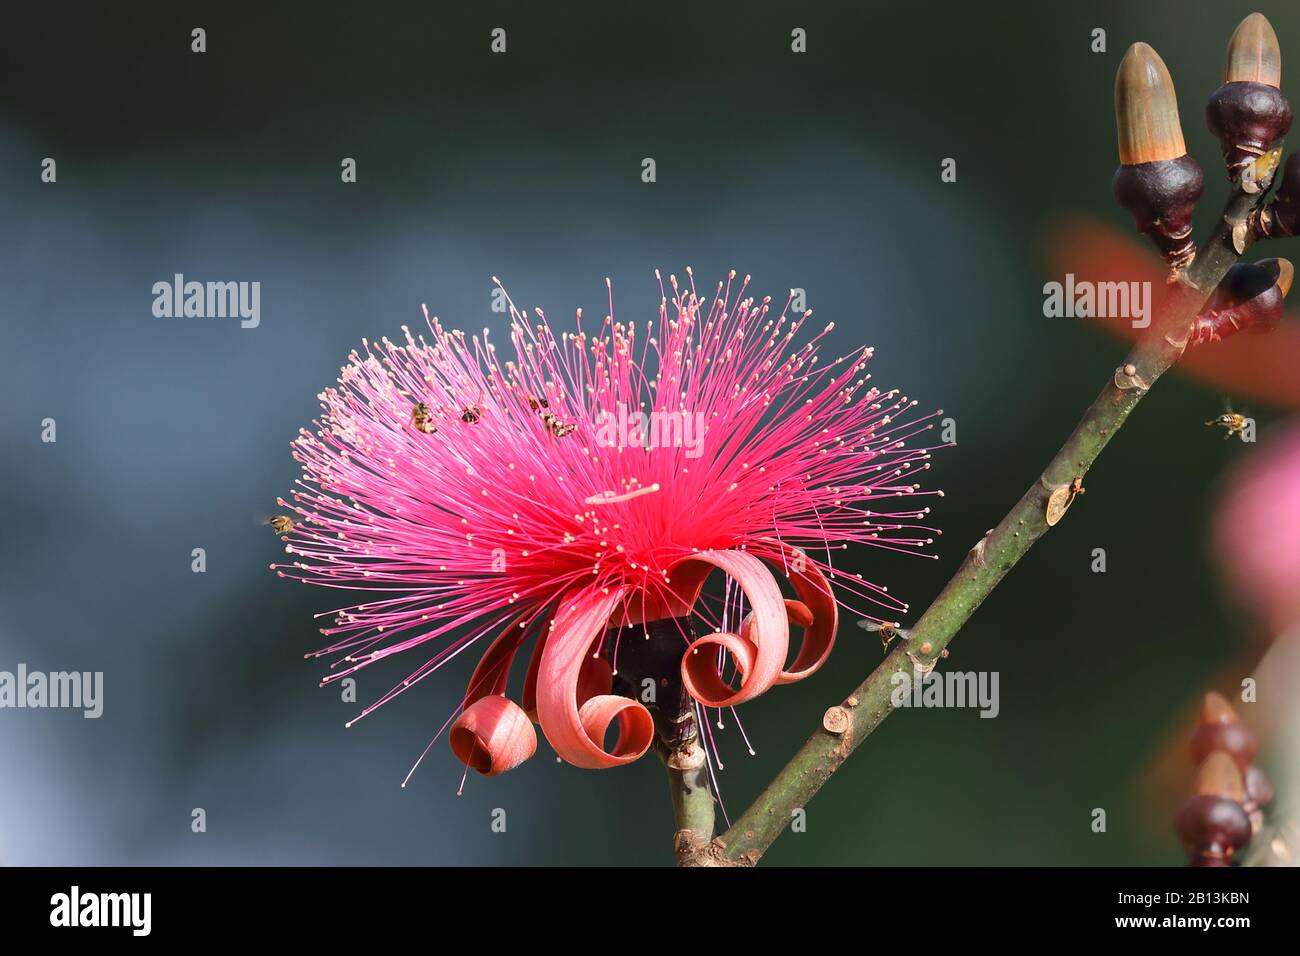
{"x": 422, "y": 418}
{"x": 470, "y": 413}
{"x": 887, "y": 631}
{"x": 281, "y": 524}
{"x": 1232, "y": 423}
{"x": 552, "y": 422}
{"x": 556, "y": 427}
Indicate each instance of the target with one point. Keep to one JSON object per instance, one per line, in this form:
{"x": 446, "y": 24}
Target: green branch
{"x": 693, "y": 805}
{"x": 846, "y": 726}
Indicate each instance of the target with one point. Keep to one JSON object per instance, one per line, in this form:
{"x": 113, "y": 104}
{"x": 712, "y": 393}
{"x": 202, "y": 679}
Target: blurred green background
{"x": 819, "y": 171}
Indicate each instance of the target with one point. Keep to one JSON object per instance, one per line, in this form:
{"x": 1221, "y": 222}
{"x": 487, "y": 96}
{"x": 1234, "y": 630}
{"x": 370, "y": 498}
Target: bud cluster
{"x": 1159, "y": 183}
{"x": 1228, "y": 800}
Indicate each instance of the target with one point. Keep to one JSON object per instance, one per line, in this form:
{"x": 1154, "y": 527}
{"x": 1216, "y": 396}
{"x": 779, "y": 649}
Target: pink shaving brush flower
{"x": 580, "y": 493}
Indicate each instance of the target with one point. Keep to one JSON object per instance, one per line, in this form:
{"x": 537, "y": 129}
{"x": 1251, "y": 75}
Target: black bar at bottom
{"x": 378, "y": 904}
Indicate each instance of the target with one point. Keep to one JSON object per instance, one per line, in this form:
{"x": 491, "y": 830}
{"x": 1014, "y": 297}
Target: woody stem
{"x": 692, "y": 798}
{"x": 648, "y": 662}
{"x": 999, "y": 550}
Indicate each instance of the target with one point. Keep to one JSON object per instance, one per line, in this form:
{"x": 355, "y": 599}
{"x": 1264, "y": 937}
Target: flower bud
{"x": 1219, "y": 728}
{"x": 1249, "y": 113}
{"x": 1249, "y": 299}
{"x": 1212, "y": 829}
{"x": 1213, "y": 824}
{"x": 1157, "y": 181}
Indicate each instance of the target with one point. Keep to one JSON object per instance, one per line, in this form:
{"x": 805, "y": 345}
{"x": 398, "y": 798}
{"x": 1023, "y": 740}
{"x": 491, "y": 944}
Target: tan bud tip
{"x": 1254, "y": 55}
{"x": 1215, "y": 709}
{"x": 1219, "y": 776}
{"x": 1146, "y": 109}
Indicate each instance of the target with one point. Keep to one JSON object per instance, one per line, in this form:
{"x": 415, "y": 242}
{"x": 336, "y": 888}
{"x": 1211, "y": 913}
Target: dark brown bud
{"x": 1282, "y": 216}
{"x": 1212, "y": 829}
{"x": 1249, "y": 113}
{"x": 1259, "y": 794}
{"x": 1157, "y": 181}
{"x": 1219, "y": 728}
{"x": 1249, "y": 299}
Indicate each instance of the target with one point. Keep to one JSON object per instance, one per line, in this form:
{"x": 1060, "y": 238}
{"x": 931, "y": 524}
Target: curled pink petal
{"x": 529, "y": 697}
{"x": 768, "y": 633}
{"x": 816, "y": 612}
{"x": 636, "y": 728}
{"x": 581, "y": 617}
{"x": 493, "y": 670}
{"x": 595, "y": 677}
{"x": 700, "y": 666}
{"x": 798, "y": 613}
{"x": 493, "y": 735}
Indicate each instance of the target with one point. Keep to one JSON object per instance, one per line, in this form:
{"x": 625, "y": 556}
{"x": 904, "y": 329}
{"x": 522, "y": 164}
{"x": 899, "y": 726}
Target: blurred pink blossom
{"x": 1256, "y": 531}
